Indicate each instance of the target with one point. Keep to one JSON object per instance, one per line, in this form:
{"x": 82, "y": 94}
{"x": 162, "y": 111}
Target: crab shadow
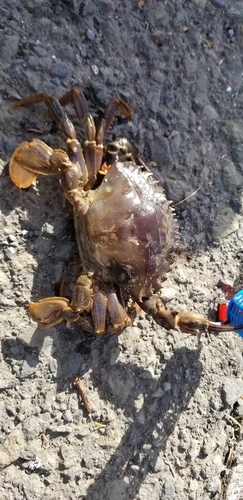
{"x": 151, "y": 424}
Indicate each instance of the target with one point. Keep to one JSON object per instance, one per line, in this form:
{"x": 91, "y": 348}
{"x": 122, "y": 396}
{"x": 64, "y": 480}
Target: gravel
{"x": 162, "y": 402}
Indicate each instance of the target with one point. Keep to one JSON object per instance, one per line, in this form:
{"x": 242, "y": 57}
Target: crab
{"x": 126, "y": 229}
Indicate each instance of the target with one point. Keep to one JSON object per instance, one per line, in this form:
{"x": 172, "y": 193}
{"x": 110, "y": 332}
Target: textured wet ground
{"x": 161, "y": 401}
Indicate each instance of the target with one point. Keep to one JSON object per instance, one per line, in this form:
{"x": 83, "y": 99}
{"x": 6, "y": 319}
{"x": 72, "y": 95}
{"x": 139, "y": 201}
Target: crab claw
{"x": 189, "y": 322}
{"x": 51, "y": 311}
{"x": 28, "y": 160}
{"x": 186, "y": 322}
{"x": 20, "y": 176}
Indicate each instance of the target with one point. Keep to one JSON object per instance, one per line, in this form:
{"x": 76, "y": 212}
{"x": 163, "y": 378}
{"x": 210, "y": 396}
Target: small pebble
{"x": 33, "y": 62}
{"x": 58, "y": 10}
{"x": 168, "y": 97}
{"x": 230, "y": 33}
{"x": 11, "y": 238}
{"x": 95, "y": 69}
{"x": 90, "y": 34}
{"x": 167, "y": 386}
{"x": 219, "y": 3}
{"x": 9, "y": 252}
{"x": 232, "y": 390}
{"x": 60, "y": 69}
{"x": 67, "y": 417}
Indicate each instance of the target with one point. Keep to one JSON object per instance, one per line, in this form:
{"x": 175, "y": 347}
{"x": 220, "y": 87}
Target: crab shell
{"x": 128, "y": 236}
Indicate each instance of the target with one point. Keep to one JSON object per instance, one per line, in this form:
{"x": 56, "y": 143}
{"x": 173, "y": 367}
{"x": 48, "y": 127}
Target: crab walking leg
{"x": 98, "y": 312}
{"x": 186, "y": 322}
{"x": 52, "y": 310}
{"x": 118, "y": 315}
{"x": 55, "y": 109}
{"x": 81, "y": 298}
{"x": 93, "y": 152}
{"x": 93, "y": 147}
{"x": 74, "y": 149}
{"x": 114, "y": 106}
{"x": 87, "y": 297}
{"x": 105, "y": 300}
{"x": 77, "y": 98}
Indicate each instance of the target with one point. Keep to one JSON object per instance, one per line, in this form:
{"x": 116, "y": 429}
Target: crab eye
{"x": 113, "y": 147}
{"x": 123, "y": 150}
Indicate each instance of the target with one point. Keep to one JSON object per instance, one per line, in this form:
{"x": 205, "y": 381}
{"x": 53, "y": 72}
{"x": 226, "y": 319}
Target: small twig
{"x": 35, "y": 131}
{"x": 81, "y": 392}
{"x": 170, "y": 466}
{"x": 187, "y": 198}
{"x": 141, "y": 4}
{"x": 233, "y": 420}
{"x": 44, "y": 440}
{"x": 97, "y": 426}
{"x": 230, "y": 457}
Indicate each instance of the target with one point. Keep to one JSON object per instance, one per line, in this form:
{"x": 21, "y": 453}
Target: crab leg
{"x": 186, "y": 322}
{"x": 55, "y": 109}
{"x": 98, "y": 312}
{"x": 52, "y": 310}
{"x": 28, "y": 160}
{"x": 93, "y": 153}
{"x": 74, "y": 149}
{"x": 118, "y": 315}
{"x": 115, "y": 105}
{"x": 81, "y": 299}
{"x": 87, "y": 298}
{"x": 33, "y": 158}
{"x": 76, "y": 97}
{"x": 93, "y": 147}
